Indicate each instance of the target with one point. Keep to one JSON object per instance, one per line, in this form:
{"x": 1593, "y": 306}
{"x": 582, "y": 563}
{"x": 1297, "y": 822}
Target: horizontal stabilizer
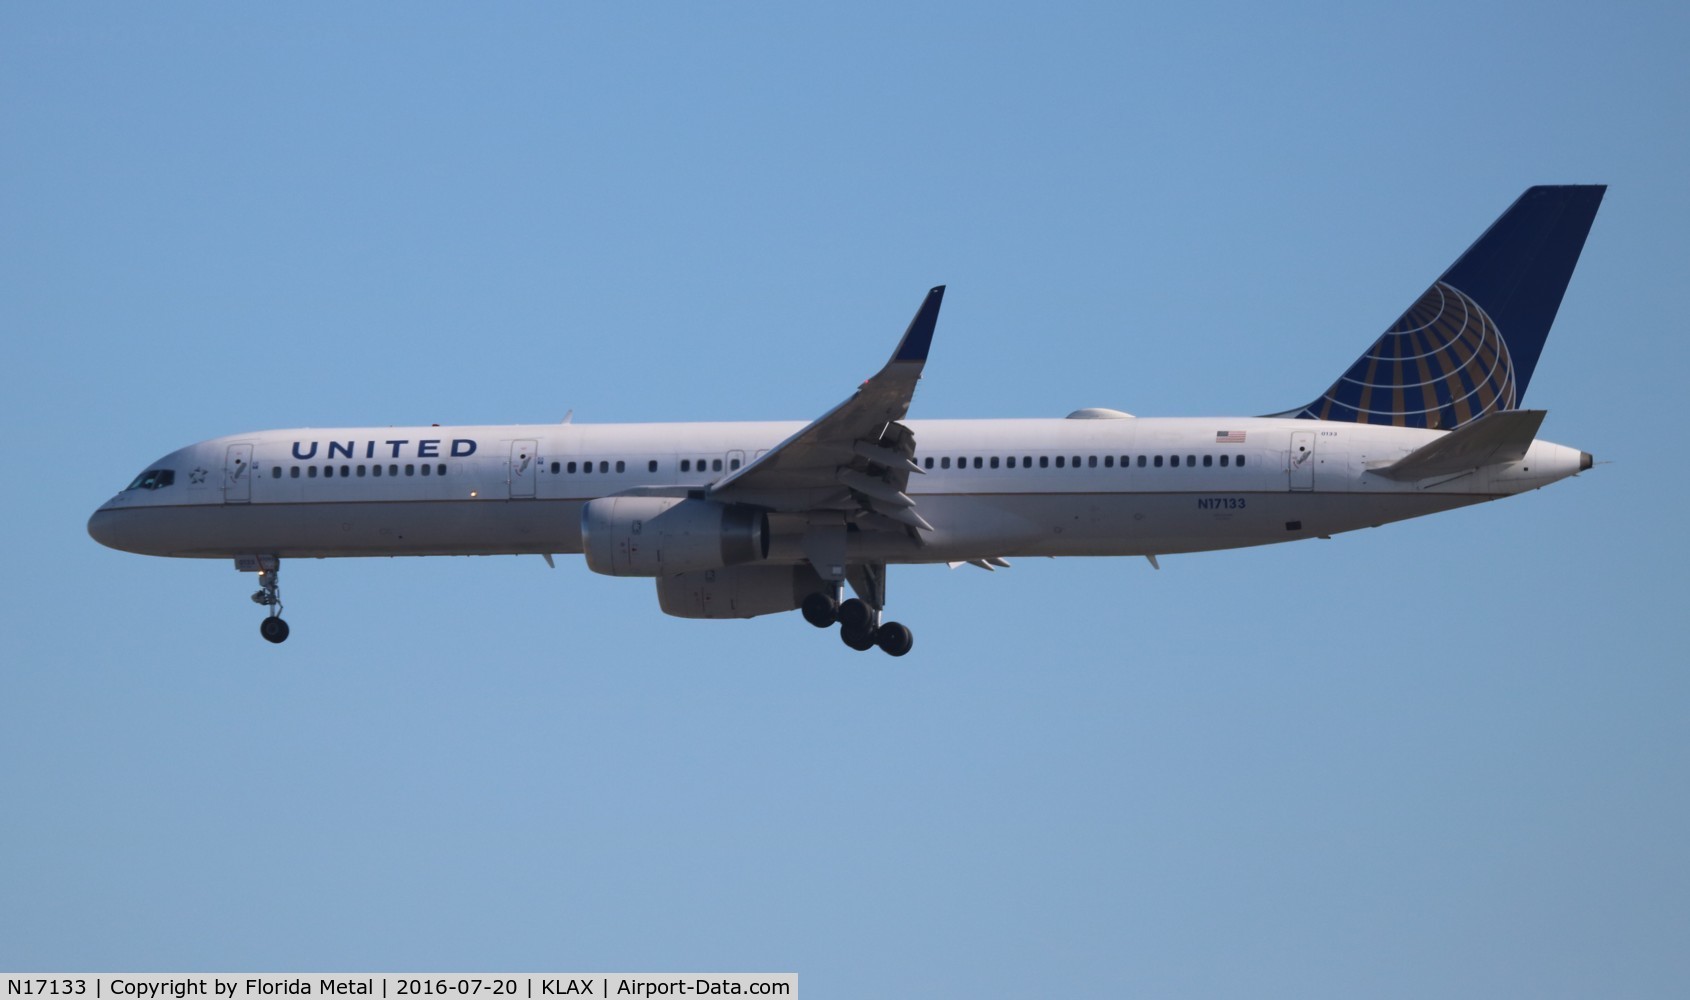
{"x": 1493, "y": 439}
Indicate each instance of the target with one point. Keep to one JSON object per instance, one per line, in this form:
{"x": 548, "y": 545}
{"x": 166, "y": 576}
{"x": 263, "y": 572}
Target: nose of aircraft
{"x": 102, "y": 527}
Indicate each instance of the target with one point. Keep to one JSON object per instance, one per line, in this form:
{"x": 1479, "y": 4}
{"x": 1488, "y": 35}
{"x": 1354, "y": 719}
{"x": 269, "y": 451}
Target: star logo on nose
{"x": 197, "y": 476}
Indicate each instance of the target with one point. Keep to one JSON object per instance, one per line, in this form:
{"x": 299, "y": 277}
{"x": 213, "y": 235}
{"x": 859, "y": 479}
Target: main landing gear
{"x": 269, "y": 595}
{"x": 859, "y": 625}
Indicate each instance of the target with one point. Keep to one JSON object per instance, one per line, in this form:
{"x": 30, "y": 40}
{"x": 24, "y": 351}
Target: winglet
{"x": 919, "y": 337}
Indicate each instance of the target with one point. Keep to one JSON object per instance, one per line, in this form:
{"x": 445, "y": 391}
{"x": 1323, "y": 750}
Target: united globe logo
{"x": 1443, "y": 364}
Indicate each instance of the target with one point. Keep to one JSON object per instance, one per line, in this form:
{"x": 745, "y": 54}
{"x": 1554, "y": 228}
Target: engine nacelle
{"x": 662, "y": 536}
{"x": 737, "y": 591}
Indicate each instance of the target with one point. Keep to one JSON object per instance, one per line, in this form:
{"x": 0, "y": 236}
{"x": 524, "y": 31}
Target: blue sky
{"x": 1443, "y": 758}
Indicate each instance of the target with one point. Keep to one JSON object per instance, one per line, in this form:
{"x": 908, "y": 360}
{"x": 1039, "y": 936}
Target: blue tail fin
{"x": 1468, "y": 346}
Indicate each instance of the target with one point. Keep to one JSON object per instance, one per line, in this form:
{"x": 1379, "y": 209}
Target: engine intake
{"x": 663, "y": 536}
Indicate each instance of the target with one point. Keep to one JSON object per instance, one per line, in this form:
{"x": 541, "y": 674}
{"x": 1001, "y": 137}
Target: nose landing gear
{"x": 269, "y": 595}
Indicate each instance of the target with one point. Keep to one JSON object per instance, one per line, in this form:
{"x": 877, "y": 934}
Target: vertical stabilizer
{"x": 1469, "y": 345}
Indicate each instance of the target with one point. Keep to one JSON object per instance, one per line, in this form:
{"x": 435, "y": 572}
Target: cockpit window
{"x": 153, "y": 479}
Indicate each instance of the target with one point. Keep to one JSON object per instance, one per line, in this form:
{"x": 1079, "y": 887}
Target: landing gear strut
{"x": 269, "y": 595}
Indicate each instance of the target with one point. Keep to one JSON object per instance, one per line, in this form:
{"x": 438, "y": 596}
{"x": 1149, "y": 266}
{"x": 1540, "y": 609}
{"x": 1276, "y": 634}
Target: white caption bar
{"x": 396, "y": 986}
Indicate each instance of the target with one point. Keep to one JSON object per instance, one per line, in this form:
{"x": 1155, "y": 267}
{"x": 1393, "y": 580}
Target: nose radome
{"x": 113, "y": 528}
{"x": 100, "y": 528}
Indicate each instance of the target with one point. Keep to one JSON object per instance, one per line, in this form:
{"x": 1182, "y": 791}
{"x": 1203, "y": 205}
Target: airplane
{"x": 738, "y": 520}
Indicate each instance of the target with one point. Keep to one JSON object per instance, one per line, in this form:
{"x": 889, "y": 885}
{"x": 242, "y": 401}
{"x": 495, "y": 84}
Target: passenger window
{"x": 716, "y": 465}
{"x": 375, "y": 470}
{"x": 586, "y": 468}
{"x": 1224, "y": 459}
{"x": 1141, "y": 462}
{"x": 361, "y": 471}
{"x": 425, "y": 470}
{"x": 651, "y": 466}
{"x": 928, "y": 461}
{"x": 1011, "y": 461}
{"x": 978, "y": 461}
{"x": 275, "y": 472}
{"x": 1091, "y": 461}
{"x": 1026, "y": 461}
{"x": 293, "y": 473}
{"x": 311, "y": 472}
{"x": 686, "y": 465}
{"x": 345, "y": 471}
{"x": 733, "y": 463}
{"x": 393, "y": 470}
{"x": 604, "y": 466}
{"x": 1158, "y": 462}
{"x": 555, "y": 467}
{"x": 1076, "y": 461}
{"x": 994, "y": 462}
{"x": 1173, "y": 461}
{"x": 410, "y": 470}
{"x": 1208, "y": 460}
{"x": 440, "y": 469}
{"x": 621, "y": 466}
{"x": 1109, "y": 461}
{"x": 945, "y": 463}
{"x": 1241, "y": 461}
{"x": 1044, "y": 461}
{"x": 962, "y": 463}
{"x": 1191, "y": 461}
{"x": 1061, "y": 461}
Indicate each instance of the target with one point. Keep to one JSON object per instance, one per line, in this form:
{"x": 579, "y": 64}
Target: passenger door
{"x": 1301, "y": 466}
{"x": 524, "y": 465}
{"x": 237, "y": 474}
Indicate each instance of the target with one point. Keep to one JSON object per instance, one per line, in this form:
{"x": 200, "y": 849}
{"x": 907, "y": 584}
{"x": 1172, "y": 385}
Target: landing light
{"x": 472, "y": 494}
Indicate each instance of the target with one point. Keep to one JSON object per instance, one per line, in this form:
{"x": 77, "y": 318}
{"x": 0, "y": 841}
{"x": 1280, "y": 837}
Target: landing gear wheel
{"x": 859, "y": 639}
{"x": 894, "y": 638}
{"x": 856, "y": 616}
{"x": 273, "y": 629}
{"x": 820, "y": 610}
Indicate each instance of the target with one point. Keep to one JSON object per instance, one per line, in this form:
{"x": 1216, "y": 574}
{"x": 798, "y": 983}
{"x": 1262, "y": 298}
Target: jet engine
{"x": 737, "y": 591}
{"x": 662, "y": 536}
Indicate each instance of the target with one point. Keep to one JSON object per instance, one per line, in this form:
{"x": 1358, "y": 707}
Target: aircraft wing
{"x": 855, "y": 456}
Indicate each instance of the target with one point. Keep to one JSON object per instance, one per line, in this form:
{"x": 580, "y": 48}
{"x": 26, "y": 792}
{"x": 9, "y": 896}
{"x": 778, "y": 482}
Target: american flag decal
{"x": 1229, "y": 437}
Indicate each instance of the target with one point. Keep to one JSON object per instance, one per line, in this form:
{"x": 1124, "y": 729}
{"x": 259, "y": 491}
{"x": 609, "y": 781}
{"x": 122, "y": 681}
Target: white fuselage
{"x": 992, "y": 488}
